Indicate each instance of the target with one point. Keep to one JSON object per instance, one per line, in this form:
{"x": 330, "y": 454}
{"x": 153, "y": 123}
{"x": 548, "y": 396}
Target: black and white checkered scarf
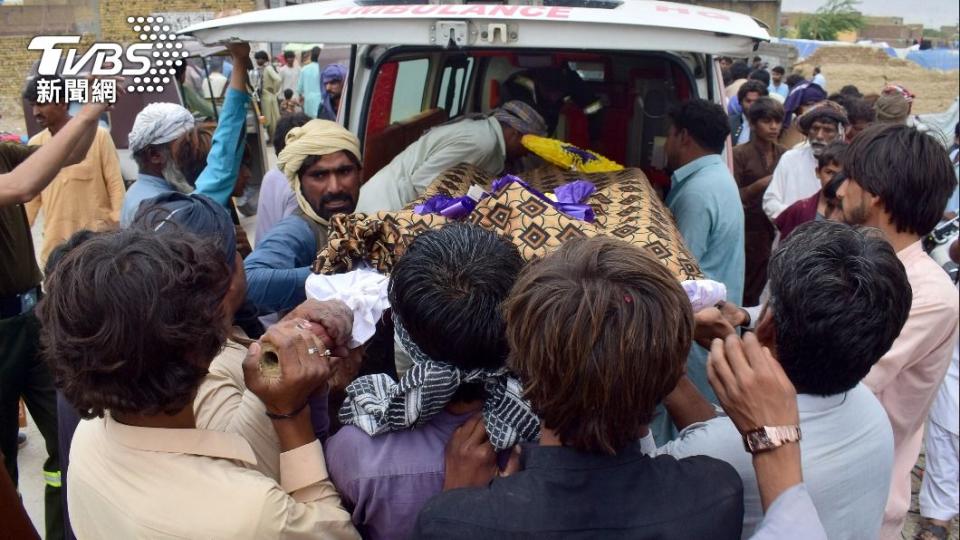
{"x": 376, "y": 404}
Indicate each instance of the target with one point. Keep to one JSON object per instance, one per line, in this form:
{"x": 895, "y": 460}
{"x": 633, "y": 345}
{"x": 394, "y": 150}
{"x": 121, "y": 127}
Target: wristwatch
{"x": 766, "y": 438}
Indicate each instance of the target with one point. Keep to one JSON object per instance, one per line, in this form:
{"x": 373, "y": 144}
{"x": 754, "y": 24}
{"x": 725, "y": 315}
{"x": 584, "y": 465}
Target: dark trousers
{"x": 23, "y": 373}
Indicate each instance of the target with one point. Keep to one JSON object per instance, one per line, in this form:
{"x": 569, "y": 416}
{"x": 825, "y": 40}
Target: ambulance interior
{"x": 415, "y": 90}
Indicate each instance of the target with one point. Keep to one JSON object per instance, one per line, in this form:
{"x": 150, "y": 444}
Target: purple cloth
{"x": 385, "y": 480}
{"x": 277, "y": 201}
{"x": 801, "y": 95}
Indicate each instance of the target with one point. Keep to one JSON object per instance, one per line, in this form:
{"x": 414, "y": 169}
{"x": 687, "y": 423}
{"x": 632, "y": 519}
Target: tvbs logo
{"x": 151, "y": 63}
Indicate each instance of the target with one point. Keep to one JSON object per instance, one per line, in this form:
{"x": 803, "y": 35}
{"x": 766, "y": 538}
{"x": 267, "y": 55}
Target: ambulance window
{"x": 454, "y": 85}
{"x": 409, "y": 89}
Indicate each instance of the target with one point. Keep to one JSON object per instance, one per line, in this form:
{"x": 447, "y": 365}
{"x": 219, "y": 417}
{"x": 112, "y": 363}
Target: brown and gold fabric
{"x": 624, "y": 203}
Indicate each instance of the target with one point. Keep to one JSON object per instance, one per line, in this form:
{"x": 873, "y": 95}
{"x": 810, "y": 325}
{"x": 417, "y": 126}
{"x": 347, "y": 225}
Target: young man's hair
{"x": 288, "y": 93}
{"x": 908, "y": 170}
{"x": 851, "y": 91}
{"x": 833, "y": 153}
{"x": 761, "y": 75}
{"x": 132, "y": 319}
{"x": 757, "y": 59}
{"x": 704, "y": 120}
{"x": 752, "y": 85}
{"x": 779, "y": 69}
{"x": 261, "y": 55}
{"x": 284, "y": 125}
{"x": 794, "y": 79}
{"x": 839, "y": 297}
{"x": 599, "y": 333}
{"x": 858, "y": 110}
{"x": 31, "y": 91}
{"x": 61, "y": 251}
{"x": 739, "y": 70}
{"x": 765, "y": 108}
{"x": 446, "y": 291}
{"x": 315, "y": 54}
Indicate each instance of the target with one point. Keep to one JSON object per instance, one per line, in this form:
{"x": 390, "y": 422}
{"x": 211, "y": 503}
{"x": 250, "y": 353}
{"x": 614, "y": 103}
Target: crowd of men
{"x": 185, "y": 389}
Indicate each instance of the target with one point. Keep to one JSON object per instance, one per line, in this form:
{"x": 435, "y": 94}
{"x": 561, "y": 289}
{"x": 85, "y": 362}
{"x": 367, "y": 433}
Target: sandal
{"x": 929, "y": 531}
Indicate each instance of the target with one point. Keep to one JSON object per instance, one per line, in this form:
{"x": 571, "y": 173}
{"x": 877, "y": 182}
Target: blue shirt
{"x": 309, "y": 87}
{"x": 706, "y": 205}
{"x": 223, "y": 162}
{"x": 783, "y": 89}
{"x": 278, "y": 268}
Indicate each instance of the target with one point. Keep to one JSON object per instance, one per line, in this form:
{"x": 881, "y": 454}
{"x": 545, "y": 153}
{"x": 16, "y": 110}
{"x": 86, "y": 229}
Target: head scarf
{"x": 521, "y": 117}
{"x": 197, "y": 214}
{"x": 898, "y": 89}
{"x": 315, "y": 138}
{"x": 159, "y": 123}
{"x": 825, "y": 110}
{"x": 892, "y": 108}
{"x": 333, "y": 72}
{"x": 376, "y": 404}
{"x": 801, "y": 95}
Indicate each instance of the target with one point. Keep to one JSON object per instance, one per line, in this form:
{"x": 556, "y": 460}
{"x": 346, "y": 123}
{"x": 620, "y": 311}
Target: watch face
{"x": 760, "y": 440}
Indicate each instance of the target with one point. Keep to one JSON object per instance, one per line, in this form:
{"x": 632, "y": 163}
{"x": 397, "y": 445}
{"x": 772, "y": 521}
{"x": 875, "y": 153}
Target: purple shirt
{"x": 385, "y": 480}
{"x": 277, "y": 201}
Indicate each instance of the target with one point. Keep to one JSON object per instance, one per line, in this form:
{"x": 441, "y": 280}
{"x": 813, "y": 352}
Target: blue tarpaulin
{"x": 944, "y": 59}
{"x": 806, "y": 47}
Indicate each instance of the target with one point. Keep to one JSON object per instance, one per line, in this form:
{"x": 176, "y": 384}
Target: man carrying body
{"x": 898, "y": 180}
{"x": 332, "y": 78}
{"x": 598, "y": 331}
{"x": 796, "y": 175}
{"x": 87, "y": 195}
{"x": 838, "y": 299}
{"x": 165, "y": 145}
{"x": 489, "y": 142}
{"x": 22, "y": 177}
{"x": 322, "y": 163}
{"x": 706, "y": 205}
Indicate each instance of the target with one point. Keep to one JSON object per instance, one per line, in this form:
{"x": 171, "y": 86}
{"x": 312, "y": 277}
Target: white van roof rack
{"x": 595, "y": 4}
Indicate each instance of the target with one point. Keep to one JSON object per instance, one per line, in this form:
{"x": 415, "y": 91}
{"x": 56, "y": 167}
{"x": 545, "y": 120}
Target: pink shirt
{"x": 906, "y": 379}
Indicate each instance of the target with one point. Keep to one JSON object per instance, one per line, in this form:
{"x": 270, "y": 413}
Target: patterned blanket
{"x": 625, "y": 205}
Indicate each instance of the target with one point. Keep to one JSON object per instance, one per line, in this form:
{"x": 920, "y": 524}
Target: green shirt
{"x": 18, "y": 270}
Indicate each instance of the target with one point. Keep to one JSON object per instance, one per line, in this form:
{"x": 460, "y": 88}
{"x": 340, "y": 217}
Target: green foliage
{"x": 832, "y": 18}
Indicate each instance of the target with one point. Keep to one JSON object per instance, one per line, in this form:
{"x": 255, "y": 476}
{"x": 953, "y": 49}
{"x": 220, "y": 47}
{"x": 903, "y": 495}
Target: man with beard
{"x": 332, "y": 78}
{"x": 322, "y": 163}
{"x": 795, "y": 177}
{"x": 166, "y": 146}
{"x": 898, "y": 180}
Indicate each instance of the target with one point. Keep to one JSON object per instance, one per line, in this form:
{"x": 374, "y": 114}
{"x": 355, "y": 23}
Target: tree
{"x": 830, "y": 19}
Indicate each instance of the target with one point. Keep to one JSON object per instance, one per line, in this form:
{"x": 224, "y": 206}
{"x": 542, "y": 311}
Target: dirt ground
{"x": 871, "y": 69}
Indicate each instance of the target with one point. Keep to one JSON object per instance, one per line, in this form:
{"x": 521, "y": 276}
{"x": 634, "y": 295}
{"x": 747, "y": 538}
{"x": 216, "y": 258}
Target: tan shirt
{"x": 87, "y": 195}
{"x": 135, "y": 482}
{"x": 907, "y": 378}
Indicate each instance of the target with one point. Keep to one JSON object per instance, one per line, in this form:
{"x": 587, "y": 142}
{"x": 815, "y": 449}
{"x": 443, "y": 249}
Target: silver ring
{"x": 313, "y": 350}
{"x": 303, "y": 325}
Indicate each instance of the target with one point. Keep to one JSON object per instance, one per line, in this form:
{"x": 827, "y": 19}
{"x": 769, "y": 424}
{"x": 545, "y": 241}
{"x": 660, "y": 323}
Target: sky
{"x": 930, "y": 13}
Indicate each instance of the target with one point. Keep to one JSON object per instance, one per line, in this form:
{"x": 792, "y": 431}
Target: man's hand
{"x": 346, "y": 370}
{"x": 750, "y": 384}
{"x": 470, "y": 460}
{"x": 710, "y": 324}
{"x": 240, "y": 53}
{"x": 332, "y": 322}
{"x": 303, "y": 367}
{"x": 734, "y": 314}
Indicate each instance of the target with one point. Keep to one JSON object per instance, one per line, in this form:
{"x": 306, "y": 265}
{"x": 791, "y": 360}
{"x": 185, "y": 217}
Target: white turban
{"x": 159, "y": 123}
{"x": 315, "y": 138}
